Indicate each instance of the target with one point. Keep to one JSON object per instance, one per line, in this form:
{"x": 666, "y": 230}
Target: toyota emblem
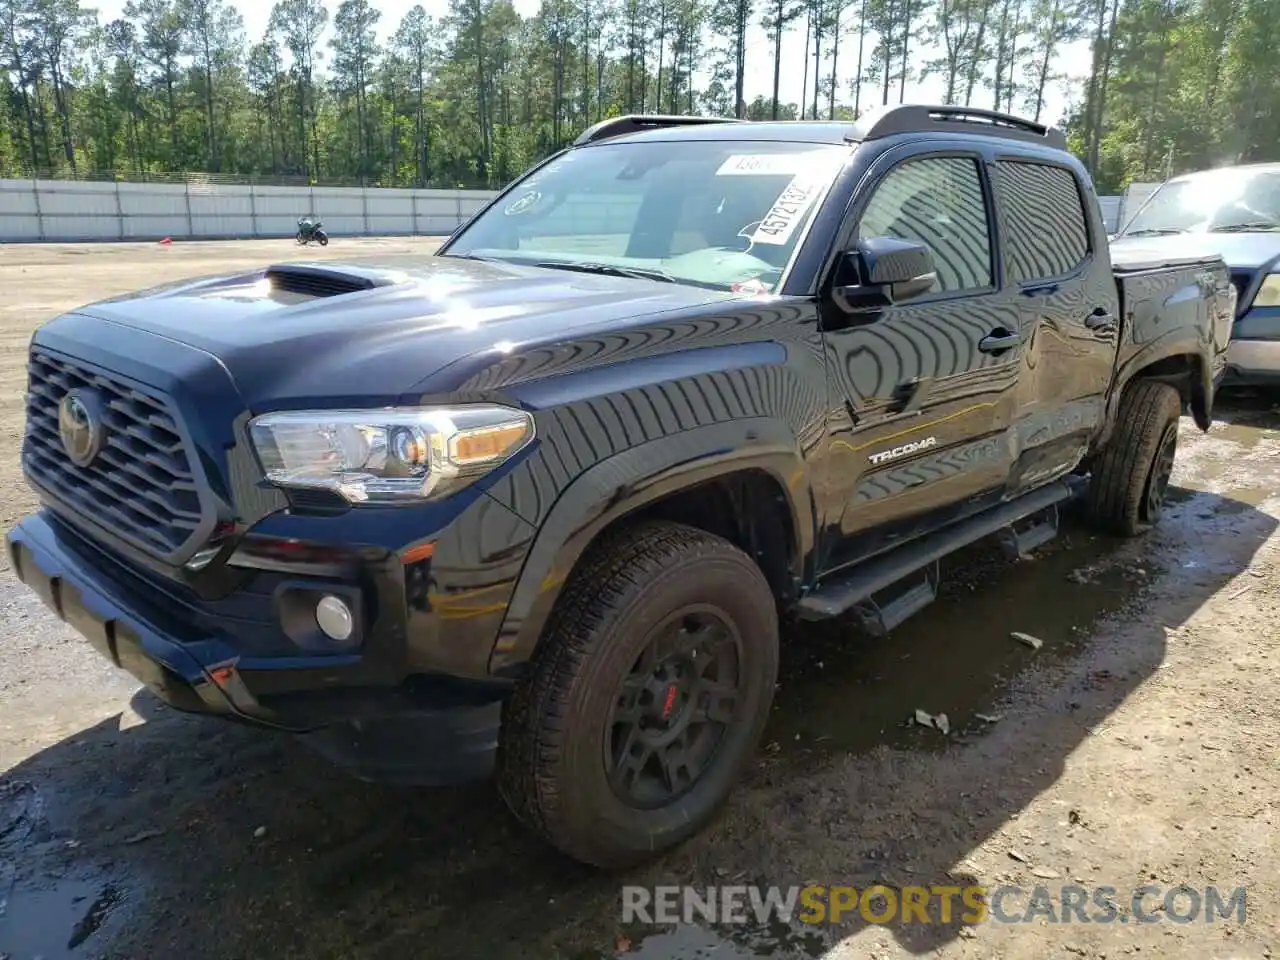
{"x": 80, "y": 426}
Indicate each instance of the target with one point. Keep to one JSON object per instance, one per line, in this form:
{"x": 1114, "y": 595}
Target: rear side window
{"x": 1046, "y": 233}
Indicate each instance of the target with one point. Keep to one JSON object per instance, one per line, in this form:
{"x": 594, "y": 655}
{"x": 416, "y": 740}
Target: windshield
{"x": 1218, "y": 201}
{"x": 719, "y": 214}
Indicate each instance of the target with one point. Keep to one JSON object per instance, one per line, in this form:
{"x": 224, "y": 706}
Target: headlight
{"x": 1269, "y": 292}
{"x": 391, "y": 454}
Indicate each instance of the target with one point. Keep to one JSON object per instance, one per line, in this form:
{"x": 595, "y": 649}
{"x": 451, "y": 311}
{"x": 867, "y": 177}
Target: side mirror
{"x": 886, "y": 271}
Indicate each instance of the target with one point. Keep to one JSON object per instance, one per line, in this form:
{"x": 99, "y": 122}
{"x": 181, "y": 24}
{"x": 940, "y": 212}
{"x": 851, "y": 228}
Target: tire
{"x": 565, "y": 726}
{"x": 323, "y": 238}
{"x": 1130, "y": 477}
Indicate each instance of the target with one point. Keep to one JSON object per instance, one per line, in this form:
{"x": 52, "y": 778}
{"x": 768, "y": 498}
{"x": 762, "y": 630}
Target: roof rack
{"x": 923, "y": 118}
{"x": 635, "y": 123}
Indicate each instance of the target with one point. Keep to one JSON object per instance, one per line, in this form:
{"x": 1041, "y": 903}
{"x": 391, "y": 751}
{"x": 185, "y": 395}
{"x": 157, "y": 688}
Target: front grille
{"x": 140, "y": 485}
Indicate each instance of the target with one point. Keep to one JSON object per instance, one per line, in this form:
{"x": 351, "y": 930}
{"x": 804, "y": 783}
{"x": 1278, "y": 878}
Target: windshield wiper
{"x": 1254, "y": 226}
{"x": 608, "y": 269}
{"x": 1152, "y": 232}
{"x": 471, "y": 256}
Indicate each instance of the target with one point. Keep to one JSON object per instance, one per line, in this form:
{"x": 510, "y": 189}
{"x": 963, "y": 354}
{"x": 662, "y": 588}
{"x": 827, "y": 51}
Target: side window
{"x": 936, "y": 201}
{"x": 1046, "y": 233}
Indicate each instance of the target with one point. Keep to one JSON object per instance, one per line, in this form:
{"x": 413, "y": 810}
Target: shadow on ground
{"x": 182, "y": 836}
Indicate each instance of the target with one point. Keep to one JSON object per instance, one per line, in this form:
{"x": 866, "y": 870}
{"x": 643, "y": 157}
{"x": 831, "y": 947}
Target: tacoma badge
{"x": 886, "y": 455}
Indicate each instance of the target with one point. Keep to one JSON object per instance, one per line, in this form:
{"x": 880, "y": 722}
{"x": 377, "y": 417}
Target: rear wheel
{"x": 1129, "y": 482}
{"x": 650, "y": 692}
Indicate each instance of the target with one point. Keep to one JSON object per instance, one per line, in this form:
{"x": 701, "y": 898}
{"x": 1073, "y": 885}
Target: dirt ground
{"x": 1136, "y": 746}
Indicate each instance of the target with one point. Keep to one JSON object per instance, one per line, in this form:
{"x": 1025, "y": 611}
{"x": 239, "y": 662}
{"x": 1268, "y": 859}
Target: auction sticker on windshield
{"x": 776, "y": 164}
{"x": 789, "y": 209}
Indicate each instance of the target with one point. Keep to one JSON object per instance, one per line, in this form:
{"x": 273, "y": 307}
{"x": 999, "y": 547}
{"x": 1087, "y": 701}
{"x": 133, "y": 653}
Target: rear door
{"x": 1067, "y": 297}
{"x": 929, "y": 383}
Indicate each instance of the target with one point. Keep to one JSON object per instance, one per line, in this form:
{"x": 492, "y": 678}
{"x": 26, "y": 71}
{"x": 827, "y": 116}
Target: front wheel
{"x": 650, "y": 692}
{"x": 323, "y": 238}
{"x": 1130, "y": 478}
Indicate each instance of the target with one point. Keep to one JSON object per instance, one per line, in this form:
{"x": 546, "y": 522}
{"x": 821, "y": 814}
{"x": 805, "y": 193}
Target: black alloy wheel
{"x": 1161, "y": 474}
{"x": 673, "y": 708}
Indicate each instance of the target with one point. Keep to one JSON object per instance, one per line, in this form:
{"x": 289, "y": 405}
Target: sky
{"x": 1074, "y": 60}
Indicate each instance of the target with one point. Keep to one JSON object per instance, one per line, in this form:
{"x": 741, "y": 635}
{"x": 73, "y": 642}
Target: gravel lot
{"x": 1136, "y": 746}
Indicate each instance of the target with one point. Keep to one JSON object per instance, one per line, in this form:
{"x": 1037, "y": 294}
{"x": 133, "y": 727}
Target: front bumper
{"x": 1253, "y": 363}
{"x": 422, "y": 731}
{"x": 1253, "y": 355}
{"x": 177, "y": 673}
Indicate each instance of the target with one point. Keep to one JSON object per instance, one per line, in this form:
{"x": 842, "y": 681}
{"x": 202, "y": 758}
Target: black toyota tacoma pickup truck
{"x": 536, "y": 506}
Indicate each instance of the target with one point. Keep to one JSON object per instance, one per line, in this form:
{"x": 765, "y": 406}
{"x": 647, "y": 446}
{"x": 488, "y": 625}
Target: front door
{"x": 929, "y": 383}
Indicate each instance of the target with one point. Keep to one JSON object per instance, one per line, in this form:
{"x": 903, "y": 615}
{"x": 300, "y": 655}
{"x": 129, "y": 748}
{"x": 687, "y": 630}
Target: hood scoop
{"x": 316, "y": 281}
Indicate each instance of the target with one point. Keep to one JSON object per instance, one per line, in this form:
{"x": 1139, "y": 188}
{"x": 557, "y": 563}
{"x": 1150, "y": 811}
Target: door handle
{"x": 1100, "y": 320}
{"x": 1043, "y": 290}
{"x": 999, "y": 340}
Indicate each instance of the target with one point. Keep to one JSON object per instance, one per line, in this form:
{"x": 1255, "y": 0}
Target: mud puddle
{"x": 843, "y": 690}
{"x": 1236, "y": 459}
{"x": 56, "y": 921}
{"x": 51, "y": 907}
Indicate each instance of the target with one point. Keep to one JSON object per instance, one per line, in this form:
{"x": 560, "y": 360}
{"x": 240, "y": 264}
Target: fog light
{"x": 334, "y": 617}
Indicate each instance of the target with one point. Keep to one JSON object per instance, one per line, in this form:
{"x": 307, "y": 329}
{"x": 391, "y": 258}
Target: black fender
{"x": 1175, "y": 324}
{"x": 631, "y": 479}
{"x": 1174, "y": 352}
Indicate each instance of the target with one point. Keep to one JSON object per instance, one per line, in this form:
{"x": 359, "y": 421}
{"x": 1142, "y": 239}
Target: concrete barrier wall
{"x": 72, "y": 210}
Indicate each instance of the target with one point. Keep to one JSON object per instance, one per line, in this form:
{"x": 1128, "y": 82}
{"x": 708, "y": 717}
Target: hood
{"x": 377, "y": 329}
{"x": 1241, "y": 251}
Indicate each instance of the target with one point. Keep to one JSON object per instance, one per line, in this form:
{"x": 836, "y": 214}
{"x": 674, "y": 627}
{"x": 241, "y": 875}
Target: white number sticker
{"x": 788, "y": 210}
{"x": 780, "y": 164}
{"x": 762, "y": 165}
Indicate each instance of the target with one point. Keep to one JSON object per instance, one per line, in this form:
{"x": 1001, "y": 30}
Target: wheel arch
{"x": 1176, "y": 364}
{"x": 749, "y": 471}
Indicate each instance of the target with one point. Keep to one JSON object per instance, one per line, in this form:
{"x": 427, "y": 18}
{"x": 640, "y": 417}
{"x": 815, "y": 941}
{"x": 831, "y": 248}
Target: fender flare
{"x": 630, "y": 480}
{"x": 1202, "y": 385}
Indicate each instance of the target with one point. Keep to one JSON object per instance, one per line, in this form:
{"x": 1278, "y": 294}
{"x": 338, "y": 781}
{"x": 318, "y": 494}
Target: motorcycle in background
{"x": 310, "y": 230}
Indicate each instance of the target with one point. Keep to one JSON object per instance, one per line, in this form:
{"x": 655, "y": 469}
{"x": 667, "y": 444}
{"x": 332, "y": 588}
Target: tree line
{"x": 476, "y": 97}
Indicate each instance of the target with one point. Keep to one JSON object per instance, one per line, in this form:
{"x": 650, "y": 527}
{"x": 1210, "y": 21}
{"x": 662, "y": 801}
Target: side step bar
{"x": 856, "y": 589}
{"x": 1018, "y": 541}
{"x": 878, "y": 617}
